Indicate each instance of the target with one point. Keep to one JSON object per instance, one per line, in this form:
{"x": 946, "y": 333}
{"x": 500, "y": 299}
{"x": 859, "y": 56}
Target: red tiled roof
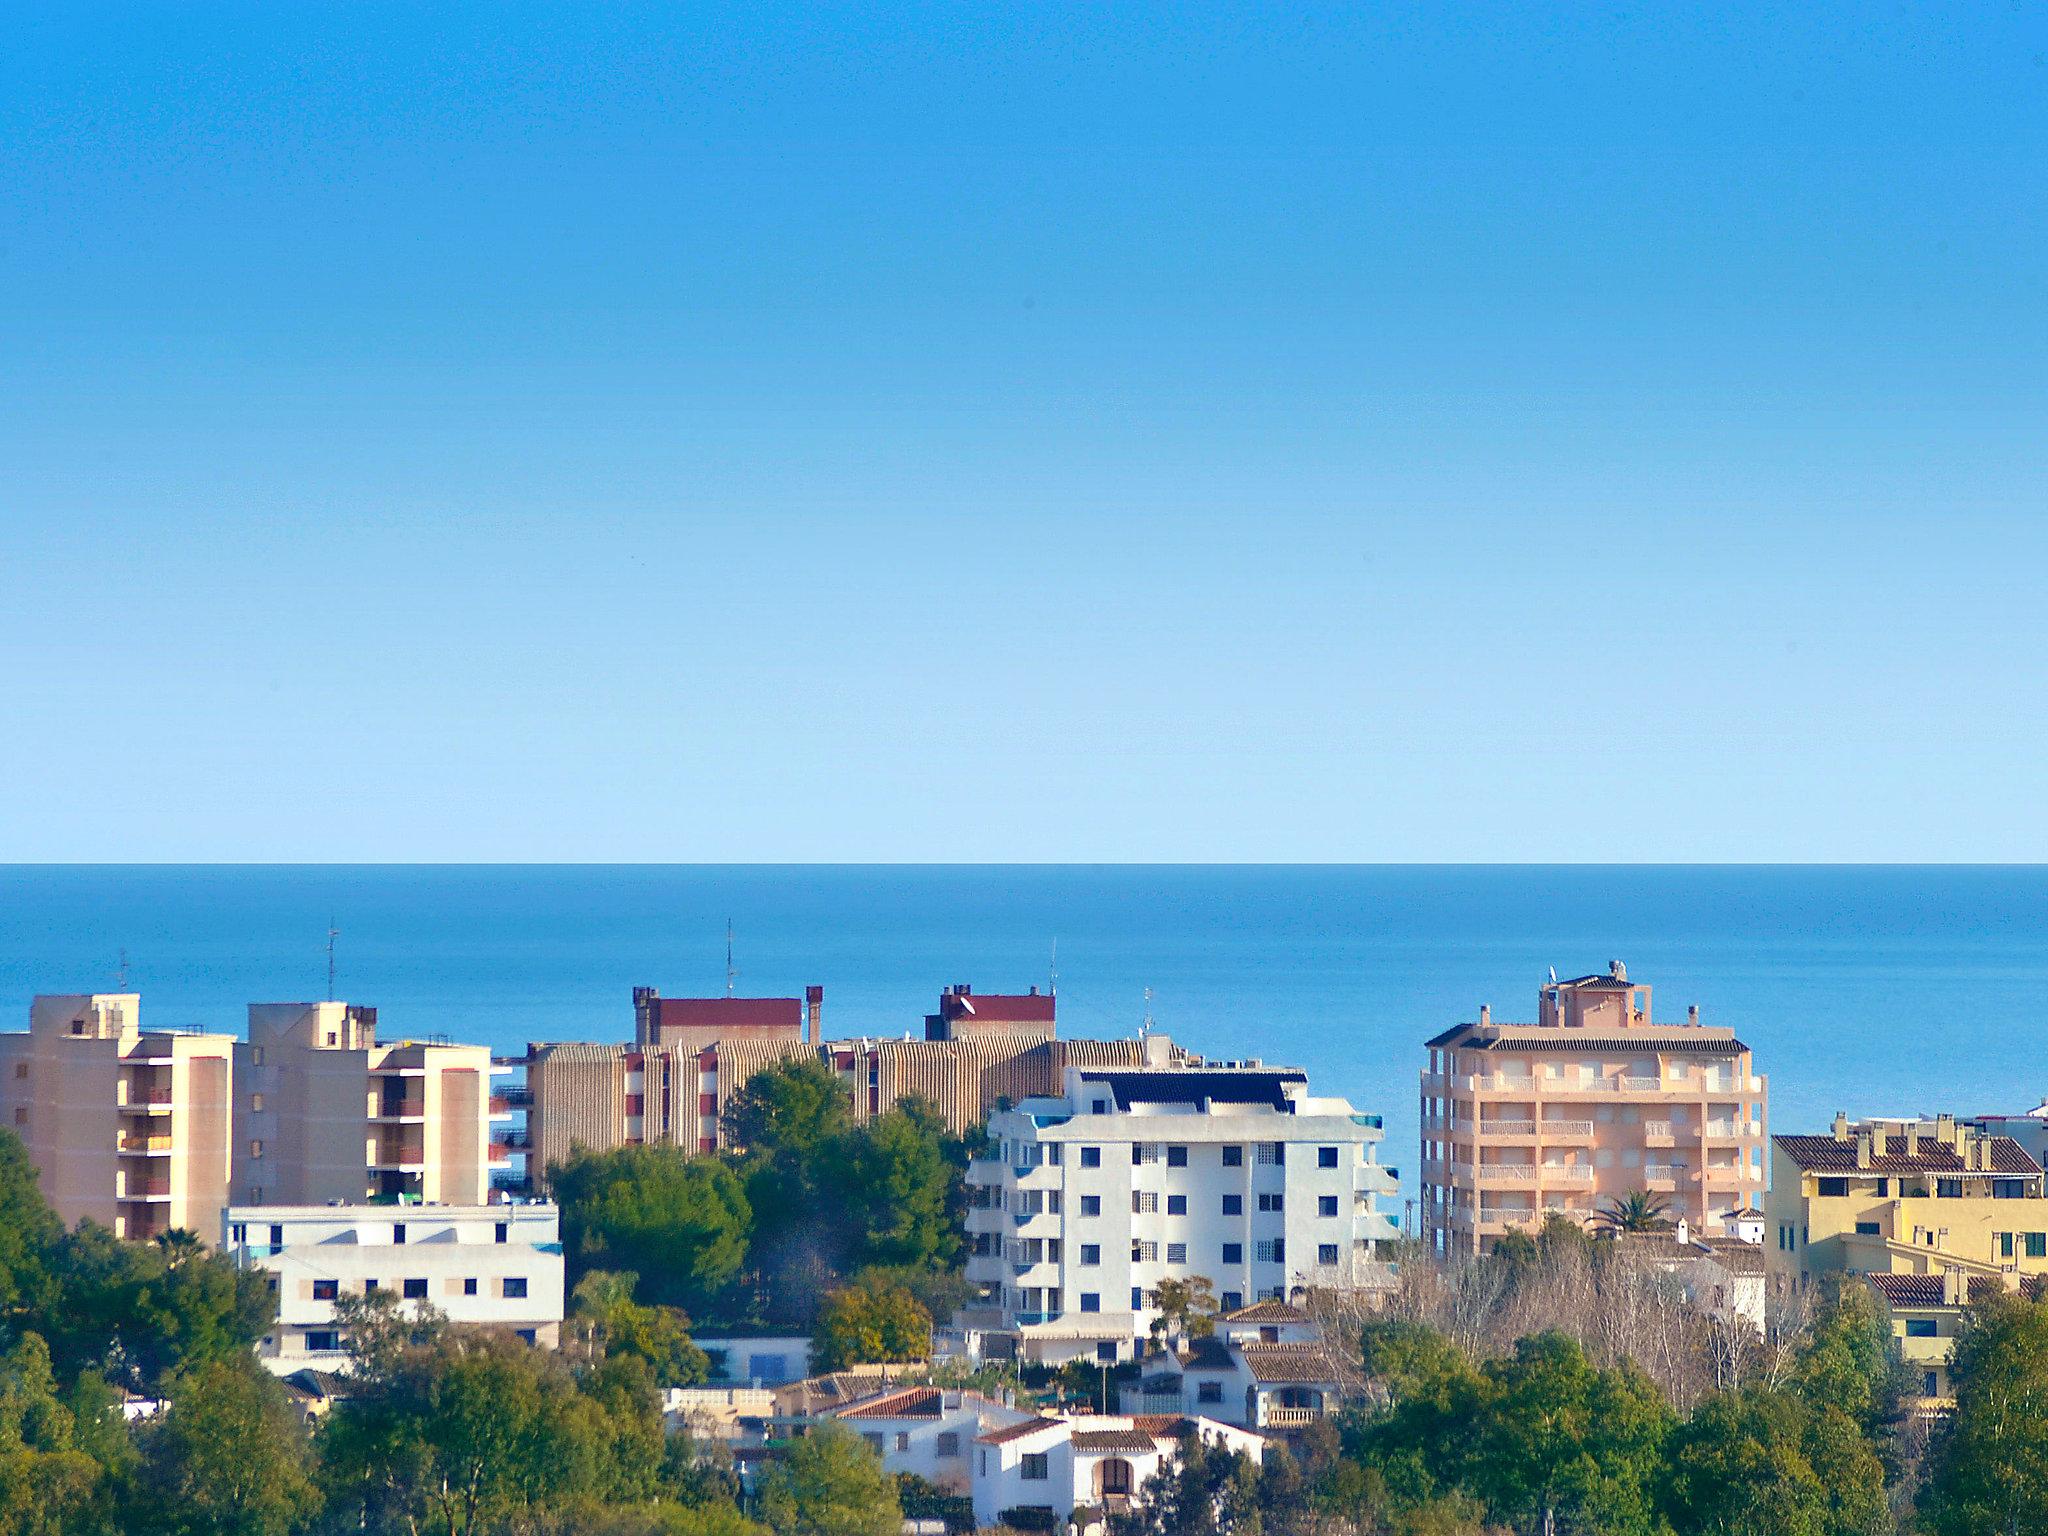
{"x": 1112, "y": 1440}
{"x": 1011, "y": 1432}
{"x": 909, "y": 1403}
{"x": 1210, "y": 1354}
{"x": 729, "y": 1013}
{"x": 1163, "y": 1426}
{"x": 1289, "y": 1362}
{"x": 1266, "y": 1312}
{"x": 1824, "y": 1154}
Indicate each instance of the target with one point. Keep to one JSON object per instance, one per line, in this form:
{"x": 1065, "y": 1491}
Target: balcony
{"x": 1567, "y": 1173}
{"x": 1506, "y": 1130}
{"x": 513, "y": 1098}
{"x": 149, "y": 1101}
{"x": 1658, "y": 1133}
{"x": 1291, "y": 1418}
{"x": 1729, "y": 1130}
{"x": 1507, "y": 1173}
{"x": 145, "y": 1189}
{"x": 1663, "y": 1175}
{"x": 400, "y": 1112}
{"x": 133, "y": 1145}
{"x": 1567, "y": 1130}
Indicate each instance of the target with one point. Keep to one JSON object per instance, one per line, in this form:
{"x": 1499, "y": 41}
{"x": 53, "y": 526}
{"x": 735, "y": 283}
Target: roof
{"x": 1824, "y": 1154}
{"x": 729, "y": 1013}
{"x": 995, "y": 1007}
{"x": 1289, "y": 1362}
{"x": 1196, "y": 1085}
{"x": 1210, "y": 1354}
{"x": 1112, "y": 1440}
{"x": 909, "y": 1403}
{"x": 1011, "y": 1432}
{"x": 1601, "y": 982}
{"x": 1267, "y": 1312}
{"x": 1649, "y": 1040}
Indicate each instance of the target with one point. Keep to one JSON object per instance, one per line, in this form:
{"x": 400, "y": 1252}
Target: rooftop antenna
{"x": 121, "y": 985}
{"x": 1145, "y": 1029}
{"x": 1553, "y": 975}
{"x": 333, "y": 933}
{"x": 731, "y": 974}
{"x": 1052, "y": 972}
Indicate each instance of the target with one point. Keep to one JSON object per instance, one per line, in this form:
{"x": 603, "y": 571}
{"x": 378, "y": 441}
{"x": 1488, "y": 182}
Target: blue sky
{"x": 1024, "y": 432}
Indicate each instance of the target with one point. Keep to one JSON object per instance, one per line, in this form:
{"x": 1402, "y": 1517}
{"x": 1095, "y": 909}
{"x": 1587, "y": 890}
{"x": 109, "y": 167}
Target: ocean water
{"x": 1870, "y": 989}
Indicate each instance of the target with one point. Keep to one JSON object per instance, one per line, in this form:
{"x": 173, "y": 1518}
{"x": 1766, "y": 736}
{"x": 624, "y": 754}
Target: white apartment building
{"x": 1232, "y": 1172}
{"x": 1079, "y": 1470}
{"x": 488, "y": 1265}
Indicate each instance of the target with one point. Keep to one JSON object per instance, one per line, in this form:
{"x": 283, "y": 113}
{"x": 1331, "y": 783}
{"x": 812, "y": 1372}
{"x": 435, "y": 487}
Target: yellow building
{"x": 1934, "y": 1212}
{"x": 126, "y": 1127}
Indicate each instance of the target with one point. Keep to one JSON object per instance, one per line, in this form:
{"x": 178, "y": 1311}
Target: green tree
{"x": 1184, "y": 1306}
{"x": 1739, "y": 1468}
{"x": 230, "y": 1458}
{"x": 899, "y": 1183}
{"x": 48, "y": 1486}
{"x": 1636, "y": 1211}
{"x": 862, "y": 1325}
{"x": 829, "y": 1484}
{"x": 29, "y": 1231}
{"x": 797, "y": 1108}
{"x": 1988, "y": 1469}
{"x": 1419, "y": 1445}
{"x": 1203, "y": 1490}
{"x": 679, "y": 1222}
{"x": 609, "y": 1324}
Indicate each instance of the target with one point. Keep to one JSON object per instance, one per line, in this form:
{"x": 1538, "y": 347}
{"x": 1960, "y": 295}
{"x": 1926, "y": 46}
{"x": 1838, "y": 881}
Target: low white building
{"x": 488, "y": 1265}
{"x": 1232, "y": 1172}
{"x": 1266, "y": 1368}
{"x": 1081, "y": 1468}
{"x": 930, "y": 1431}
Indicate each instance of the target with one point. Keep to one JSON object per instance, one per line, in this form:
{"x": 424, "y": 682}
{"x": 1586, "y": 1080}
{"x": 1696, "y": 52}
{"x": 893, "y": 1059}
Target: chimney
{"x": 1485, "y": 1014}
{"x": 1841, "y": 1126}
{"x": 1945, "y": 1129}
{"x": 814, "y": 1011}
{"x": 1863, "y": 1149}
{"x": 1955, "y": 1288}
{"x": 1913, "y": 1139}
{"x": 1880, "y": 1140}
{"x": 1617, "y": 970}
{"x": 1692, "y": 1014}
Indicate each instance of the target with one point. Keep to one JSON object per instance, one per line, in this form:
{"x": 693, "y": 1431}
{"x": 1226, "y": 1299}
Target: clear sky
{"x": 1024, "y": 432}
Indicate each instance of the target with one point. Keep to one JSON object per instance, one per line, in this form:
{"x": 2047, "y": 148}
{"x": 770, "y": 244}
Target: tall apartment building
{"x": 672, "y": 1084}
{"x": 1125, "y": 1178}
{"x": 127, "y": 1127}
{"x": 1588, "y": 1104}
{"x": 325, "y": 1112}
{"x": 1932, "y": 1211}
{"x": 496, "y": 1266}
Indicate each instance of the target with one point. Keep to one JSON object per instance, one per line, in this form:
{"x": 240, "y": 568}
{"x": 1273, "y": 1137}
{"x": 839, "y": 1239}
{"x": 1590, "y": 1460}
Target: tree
{"x": 795, "y": 1108}
{"x": 1203, "y": 1490}
{"x": 29, "y": 1230}
{"x": 829, "y": 1484}
{"x": 47, "y": 1485}
{"x": 1988, "y": 1469}
{"x": 1189, "y": 1303}
{"x": 866, "y": 1324}
{"x": 900, "y": 1189}
{"x": 1739, "y": 1466}
{"x": 1636, "y": 1211}
{"x": 679, "y": 1222}
{"x": 230, "y": 1458}
{"x": 611, "y": 1325}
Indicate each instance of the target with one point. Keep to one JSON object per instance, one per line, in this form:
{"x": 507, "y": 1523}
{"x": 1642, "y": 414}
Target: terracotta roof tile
{"x": 1016, "y": 1431}
{"x": 1266, "y": 1312}
{"x": 1824, "y": 1154}
{"x": 1112, "y": 1440}
{"x": 1289, "y": 1362}
{"x": 909, "y": 1403}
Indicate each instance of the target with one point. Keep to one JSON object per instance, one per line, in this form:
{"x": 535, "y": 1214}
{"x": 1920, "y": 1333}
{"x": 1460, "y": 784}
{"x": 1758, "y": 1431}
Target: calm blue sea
{"x": 1868, "y": 989}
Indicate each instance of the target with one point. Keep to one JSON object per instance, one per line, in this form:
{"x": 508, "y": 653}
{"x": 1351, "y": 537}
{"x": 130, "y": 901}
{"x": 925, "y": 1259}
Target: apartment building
{"x": 1593, "y": 1101}
{"x": 497, "y": 1266}
{"x": 1232, "y": 1172}
{"x": 1924, "y": 1199}
{"x": 324, "y": 1111}
{"x": 126, "y": 1127}
{"x": 672, "y": 1084}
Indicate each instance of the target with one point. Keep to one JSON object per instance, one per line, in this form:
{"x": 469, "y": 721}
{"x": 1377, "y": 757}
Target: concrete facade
{"x": 126, "y": 1127}
{"x": 1589, "y": 1104}
{"x": 1231, "y": 1172}
{"x": 494, "y": 1266}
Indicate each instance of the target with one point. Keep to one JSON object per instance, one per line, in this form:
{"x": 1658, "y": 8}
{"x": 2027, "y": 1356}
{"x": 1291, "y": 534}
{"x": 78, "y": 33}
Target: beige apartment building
{"x": 325, "y": 1112}
{"x": 126, "y": 1127}
{"x": 1593, "y": 1101}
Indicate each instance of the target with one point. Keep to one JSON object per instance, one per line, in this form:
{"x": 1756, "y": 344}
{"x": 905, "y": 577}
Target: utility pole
{"x": 731, "y": 974}
{"x": 121, "y": 985}
{"x": 333, "y": 933}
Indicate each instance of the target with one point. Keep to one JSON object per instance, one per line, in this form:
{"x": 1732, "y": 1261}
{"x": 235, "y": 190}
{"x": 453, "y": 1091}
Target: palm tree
{"x": 1636, "y": 1211}
{"x": 178, "y": 1245}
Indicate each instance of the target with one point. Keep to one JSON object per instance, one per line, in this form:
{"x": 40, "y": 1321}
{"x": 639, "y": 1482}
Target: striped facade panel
{"x": 579, "y": 1099}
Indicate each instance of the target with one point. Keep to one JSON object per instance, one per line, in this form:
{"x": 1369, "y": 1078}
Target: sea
{"x": 1876, "y": 990}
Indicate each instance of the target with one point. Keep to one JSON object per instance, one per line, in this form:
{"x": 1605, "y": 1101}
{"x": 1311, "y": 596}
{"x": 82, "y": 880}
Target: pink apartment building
{"x": 1588, "y": 1104}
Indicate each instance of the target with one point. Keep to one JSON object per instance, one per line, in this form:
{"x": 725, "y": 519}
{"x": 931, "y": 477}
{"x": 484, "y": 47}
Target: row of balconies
{"x": 1653, "y": 1131}
{"x": 1563, "y": 1087}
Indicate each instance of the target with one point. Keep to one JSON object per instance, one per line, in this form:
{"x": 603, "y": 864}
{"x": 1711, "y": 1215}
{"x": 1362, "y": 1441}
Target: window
{"x": 416, "y": 1288}
{"x": 2037, "y": 1245}
{"x": 1137, "y": 1297}
{"x": 1919, "y": 1327}
{"x": 1233, "y": 1157}
{"x": 1326, "y": 1253}
{"x": 1208, "y": 1391}
{"x": 1176, "y": 1253}
{"x": 1100, "y": 1106}
{"x": 1091, "y": 1301}
{"x": 1143, "y": 1152}
{"x": 1033, "y": 1470}
{"x": 504, "y": 1232}
{"x": 398, "y": 1232}
{"x": 255, "y": 1149}
{"x": 1091, "y": 1255}
{"x": 2005, "y": 1245}
{"x": 1091, "y": 1157}
{"x": 874, "y": 1440}
{"x": 1271, "y": 1202}
{"x": 1232, "y": 1300}
{"x": 1930, "y": 1383}
{"x": 1106, "y": 1351}
{"x": 1091, "y": 1205}
{"x": 515, "y": 1287}
{"x": 1176, "y": 1205}
{"x": 326, "y": 1290}
{"x": 1866, "y": 1229}
{"x": 1326, "y": 1205}
{"x": 949, "y": 1442}
{"x": 1833, "y": 1187}
{"x": 1233, "y": 1205}
{"x": 369, "y": 1285}
{"x": 1948, "y": 1189}
{"x": 1273, "y": 1152}
{"x": 332, "y": 1037}
{"x": 1273, "y": 1252}
{"x": 1233, "y": 1253}
{"x": 322, "y": 1341}
{"x": 1144, "y": 1253}
{"x": 902, "y": 1440}
{"x": 256, "y": 1103}
{"x": 1176, "y": 1157}
{"x": 1144, "y": 1202}
{"x": 469, "y": 1286}
{"x": 1326, "y": 1157}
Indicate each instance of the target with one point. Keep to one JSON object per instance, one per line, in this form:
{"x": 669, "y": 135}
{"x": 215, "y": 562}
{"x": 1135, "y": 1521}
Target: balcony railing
{"x": 1658, "y": 1130}
{"x": 1290, "y": 1418}
{"x": 1517, "y": 1129}
{"x": 1663, "y": 1173}
{"x": 147, "y": 1143}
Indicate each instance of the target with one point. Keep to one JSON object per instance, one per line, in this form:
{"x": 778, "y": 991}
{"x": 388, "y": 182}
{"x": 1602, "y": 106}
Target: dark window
{"x": 1176, "y": 1205}
{"x": 949, "y": 1442}
{"x": 323, "y": 1342}
{"x": 1137, "y": 1297}
{"x": 1326, "y": 1205}
{"x": 902, "y": 1441}
{"x": 1176, "y": 1157}
{"x": 515, "y": 1286}
{"x": 1866, "y": 1228}
{"x": 1232, "y": 1300}
{"x": 1326, "y": 1157}
{"x": 398, "y": 1232}
{"x": 1233, "y": 1253}
{"x": 1208, "y": 1391}
{"x": 1033, "y": 1470}
{"x": 326, "y": 1290}
{"x": 1091, "y": 1301}
{"x": 528, "y": 1335}
{"x": 1091, "y": 1157}
{"x": 1105, "y": 1351}
{"x": 2037, "y": 1245}
{"x": 1233, "y": 1157}
{"x": 369, "y": 1286}
{"x": 1833, "y": 1187}
{"x": 1919, "y": 1327}
{"x": 1091, "y": 1253}
{"x": 504, "y": 1232}
{"x": 1091, "y": 1205}
{"x": 276, "y": 1235}
{"x": 469, "y": 1286}
{"x": 416, "y": 1289}
{"x": 1272, "y": 1202}
{"x": 1326, "y": 1253}
{"x": 1233, "y": 1205}
{"x": 1948, "y": 1189}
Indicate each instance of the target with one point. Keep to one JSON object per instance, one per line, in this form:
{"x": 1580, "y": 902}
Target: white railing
{"x": 1657, "y": 1129}
{"x": 1566, "y": 1173}
{"x": 1507, "y": 1173}
{"x": 1729, "y": 1130}
{"x": 1517, "y": 1128}
{"x": 1567, "y": 1127}
{"x": 1658, "y": 1173}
